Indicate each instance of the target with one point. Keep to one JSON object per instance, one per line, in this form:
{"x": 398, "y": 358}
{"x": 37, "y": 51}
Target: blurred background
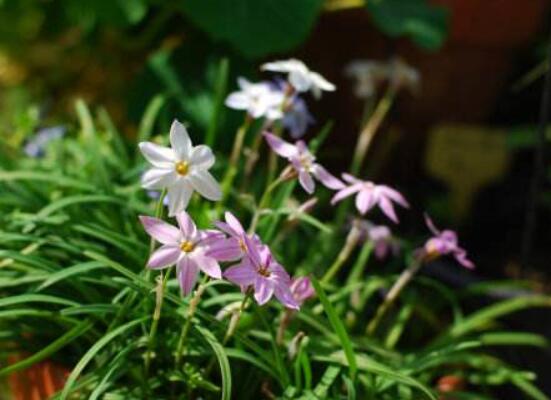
{"x": 467, "y": 143}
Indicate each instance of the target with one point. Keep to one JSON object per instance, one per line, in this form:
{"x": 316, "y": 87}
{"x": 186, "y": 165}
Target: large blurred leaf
{"x": 254, "y": 27}
{"x": 425, "y": 24}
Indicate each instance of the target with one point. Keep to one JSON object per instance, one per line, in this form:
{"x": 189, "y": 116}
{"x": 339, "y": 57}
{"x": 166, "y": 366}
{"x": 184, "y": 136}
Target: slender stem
{"x": 159, "y": 297}
{"x": 194, "y": 302}
{"x": 370, "y": 128}
{"x": 235, "y": 154}
{"x": 405, "y": 277}
{"x": 349, "y": 245}
{"x": 265, "y": 197}
{"x": 236, "y": 317}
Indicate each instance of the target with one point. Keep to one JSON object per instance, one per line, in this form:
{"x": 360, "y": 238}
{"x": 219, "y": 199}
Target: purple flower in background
{"x": 302, "y": 289}
{"x": 155, "y": 196}
{"x": 369, "y": 195}
{"x": 303, "y": 163}
{"x": 296, "y": 117}
{"x": 36, "y": 145}
{"x": 443, "y": 243}
{"x": 185, "y": 247}
{"x": 383, "y": 241}
{"x": 264, "y": 274}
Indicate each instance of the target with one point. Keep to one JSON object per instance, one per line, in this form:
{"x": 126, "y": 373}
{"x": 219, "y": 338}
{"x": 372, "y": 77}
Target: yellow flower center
{"x": 182, "y": 168}
{"x": 242, "y": 246}
{"x": 264, "y": 271}
{"x": 187, "y": 246}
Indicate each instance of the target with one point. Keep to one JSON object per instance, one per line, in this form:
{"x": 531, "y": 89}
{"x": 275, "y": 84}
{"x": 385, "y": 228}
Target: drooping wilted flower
{"x": 261, "y": 272}
{"x": 186, "y": 247}
{"x": 443, "y": 243}
{"x": 181, "y": 169}
{"x": 302, "y": 289}
{"x": 369, "y": 194}
{"x": 304, "y": 163}
{"x": 36, "y": 145}
{"x": 258, "y": 99}
{"x": 300, "y": 77}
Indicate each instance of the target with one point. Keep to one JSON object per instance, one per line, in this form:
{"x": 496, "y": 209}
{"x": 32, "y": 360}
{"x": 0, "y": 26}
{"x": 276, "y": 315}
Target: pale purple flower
{"x": 37, "y": 144}
{"x": 232, "y": 247}
{"x": 296, "y": 117}
{"x": 302, "y": 289}
{"x": 182, "y": 169}
{"x": 300, "y": 77}
{"x": 443, "y": 243}
{"x": 258, "y": 99}
{"x": 369, "y": 195}
{"x": 260, "y": 271}
{"x": 383, "y": 241}
{"x": 186, "y": 247}
{"x": 303, "y": 163}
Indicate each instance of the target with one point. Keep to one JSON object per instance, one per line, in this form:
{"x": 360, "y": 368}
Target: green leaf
{"x": 148, "y": 120}
{"x": 221, "y": 88}
{"x": 425, "y": 24}
{"x": 255, "y": 28}
{"x": 338, "y": 327}
{"x": 222, "y": 360}
{"x": 35, "y": 298}
{"x": 93, "y": 351}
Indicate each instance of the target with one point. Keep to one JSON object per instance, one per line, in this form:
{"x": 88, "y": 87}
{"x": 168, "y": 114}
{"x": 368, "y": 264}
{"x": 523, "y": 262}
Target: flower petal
{"x": 178, "y": 197}
{"x": 237, "y": 101}
{"x": 350, "y": 179}
{"x": 234, "y": 223}
{"x": 225, "y": 250}
{"x": 187, "y": 226}
{"x": 208, "y": 265}
{"x": 263, "y": 290}
{"x": 164, "y": 257}
{"x": 242, "y": 274}
{"x": 202, "y": 157}
{"x": 430, "y": 225}
{"x": 326, "y": 178}
{"x": 279, "y": 146}
{"x": 393, "y": 195}
{"x": 365, "y": 200}
{"x": 300, "y": 80}
{"x": 158, "y": 156}
{"x": 187, "y": 274}
{"x": 206, "y": 185}
{"x": 158, "y": 178}
{"x": 306, "y": 181}
{"x": 388, "y": 209}
{"x": 284, "y": 295}
{"x": 346, "y": 192}
{"x": 180, "y": 141}
{"x": 161, "y": 231}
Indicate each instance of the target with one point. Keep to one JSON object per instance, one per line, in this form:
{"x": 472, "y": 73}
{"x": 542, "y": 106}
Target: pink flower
{"x": 185, "y": 247}
{"x": 382, "y": 238}
{"x": 443, "y": 243}
{"x": 369, "y": 195}
{"x": 302, "y": 289}
{"x": 233, "y": 247}
{"x": 303, "y": 163}
{"x": 264, "y": 274}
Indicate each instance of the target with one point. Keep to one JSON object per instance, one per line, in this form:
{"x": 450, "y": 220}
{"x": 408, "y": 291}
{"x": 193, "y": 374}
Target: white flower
{"x": 300, "y": 77}
{"x": 367, "y": 75}
{"x": 259, "y": 99}
{"x": 180, "y": 169}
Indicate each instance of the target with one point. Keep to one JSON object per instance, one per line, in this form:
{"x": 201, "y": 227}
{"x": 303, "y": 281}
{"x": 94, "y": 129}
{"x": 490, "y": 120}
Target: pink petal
{"x": 187, "y": 274}
{"x": 431, "y": 226}
{"x": 160, "y": 230}
{"x": 253, "y": 251}
{"x": 242, "y": 274}
{"x": 461, "y": 257}
{"x": 187, "y": 226}
{"x": 226, "y": 250}
{"x": 284, "y": 295}
{"x": 365, "y": 200}
{"x": 164, "y": 257}
{"x": 208, "y": 265}
{"x": 263, "y": 290}
{"x": 326, "y": 178}
{"x": 387, "y": 208}
{"x": 350, "y": 179}
{"x": 394, "y": 195}
{"x": 224, "y": 227}
{"x": 306, "y": 181}
{"x": 281, "y": 147}
{"x": 346, "y": 192}
{"x": 234, "y": 223}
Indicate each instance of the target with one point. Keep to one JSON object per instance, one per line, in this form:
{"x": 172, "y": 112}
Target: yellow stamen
{"x": 264, "y": 272}
{"x": 187, "y": 246}
{"x": 182, "y": 167}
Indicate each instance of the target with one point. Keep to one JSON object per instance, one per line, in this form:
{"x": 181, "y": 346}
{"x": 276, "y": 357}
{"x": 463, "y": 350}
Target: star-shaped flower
{"x": 181, "y": 169}
{"x": 258, "y": 99}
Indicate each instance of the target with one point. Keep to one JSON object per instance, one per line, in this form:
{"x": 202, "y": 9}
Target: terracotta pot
{"x": 38, "y": 382}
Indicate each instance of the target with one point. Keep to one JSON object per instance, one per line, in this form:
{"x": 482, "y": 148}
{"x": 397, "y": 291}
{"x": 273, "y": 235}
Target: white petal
{"x": 321, "y": 82}
{"x": 157, "y": 155}
{"x": 238, "y": 101}
{"x": 206, "y": 185}
{"x": 180, "y": 141}
{"x": 202, "y": 157}
{"x": 300, "y": 81}
{"x": 158, "y": 178}
{"x": 178, "y": 197}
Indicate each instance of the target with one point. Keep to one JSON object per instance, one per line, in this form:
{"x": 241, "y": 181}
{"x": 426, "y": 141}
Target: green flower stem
{"x": 236, "y": 317}
{"x": 234, "y": 157}
{"x": 349, "y": 245}
{"x": 159, "y": 297}
{"x": 405, "y": 277}
{"x": 193, "y": 304}
{"x": 370, "y": 128}
{"x": 266, "y": 196}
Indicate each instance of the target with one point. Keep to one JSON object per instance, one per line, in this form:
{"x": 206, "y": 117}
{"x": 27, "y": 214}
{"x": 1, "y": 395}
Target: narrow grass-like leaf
{"x": 69, "y": 272}
{"x": 145, "y": 129}
{"x": 58, "y": 180}
{"x": 219, "y": 96}
{"x": 35, "y": 298}
{"x": 338, "y": 327}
